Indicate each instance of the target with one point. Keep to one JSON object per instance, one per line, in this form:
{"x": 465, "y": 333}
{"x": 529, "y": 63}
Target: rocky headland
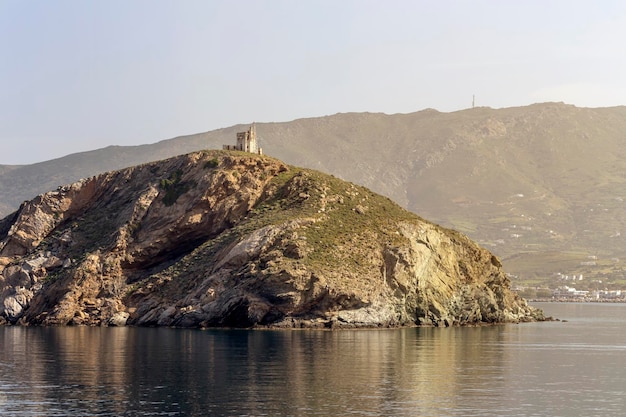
{"x": 229, "y": 239}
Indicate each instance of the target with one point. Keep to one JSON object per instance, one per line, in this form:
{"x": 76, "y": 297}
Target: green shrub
{"x": 174, "y": 188}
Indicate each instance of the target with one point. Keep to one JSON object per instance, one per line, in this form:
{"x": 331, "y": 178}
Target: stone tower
{"x": 246, "y": 142}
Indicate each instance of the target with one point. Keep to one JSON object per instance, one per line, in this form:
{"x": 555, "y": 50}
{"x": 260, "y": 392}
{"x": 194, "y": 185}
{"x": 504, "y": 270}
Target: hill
{"x": 220, "y": 238}
{"x": 524, "y": 182}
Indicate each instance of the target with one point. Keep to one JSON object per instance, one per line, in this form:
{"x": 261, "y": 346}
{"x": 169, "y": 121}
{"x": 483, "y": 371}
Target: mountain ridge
{"x": 520, "y": 180}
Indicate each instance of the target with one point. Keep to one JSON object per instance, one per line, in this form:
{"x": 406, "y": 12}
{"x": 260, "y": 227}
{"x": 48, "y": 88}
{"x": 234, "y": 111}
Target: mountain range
{"x": 542, "y": 186}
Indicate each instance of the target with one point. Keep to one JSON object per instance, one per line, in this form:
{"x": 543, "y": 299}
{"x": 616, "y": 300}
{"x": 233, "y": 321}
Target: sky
{"x": 82, "y": 75}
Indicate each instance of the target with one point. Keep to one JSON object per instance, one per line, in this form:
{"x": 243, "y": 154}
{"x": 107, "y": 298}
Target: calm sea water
{"x": 573, "y": 368}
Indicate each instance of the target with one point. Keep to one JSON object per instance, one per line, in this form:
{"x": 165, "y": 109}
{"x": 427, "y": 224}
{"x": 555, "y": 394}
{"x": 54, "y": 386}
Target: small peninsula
{"x": 233, "y": 239}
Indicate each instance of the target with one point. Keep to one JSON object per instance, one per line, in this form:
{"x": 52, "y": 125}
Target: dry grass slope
{"x": 521, "y": 181}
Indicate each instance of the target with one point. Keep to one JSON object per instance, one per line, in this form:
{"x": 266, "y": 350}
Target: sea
{"x": 572, "y": 367}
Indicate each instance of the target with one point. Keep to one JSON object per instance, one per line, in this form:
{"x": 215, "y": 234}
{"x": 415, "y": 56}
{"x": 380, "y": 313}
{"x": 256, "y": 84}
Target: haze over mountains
{"x": 542, "y": 186}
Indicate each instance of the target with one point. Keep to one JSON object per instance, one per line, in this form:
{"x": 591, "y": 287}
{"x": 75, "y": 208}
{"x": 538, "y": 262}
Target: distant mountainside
{"x": 220, "y": 238}
{"x": 543, "y": 186}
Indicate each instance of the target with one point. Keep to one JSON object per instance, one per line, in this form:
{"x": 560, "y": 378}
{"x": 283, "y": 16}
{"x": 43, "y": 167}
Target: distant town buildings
{"x": 566, "y": 293}
{"x": 570, "y": 293}
{"x": 246, "y": 142}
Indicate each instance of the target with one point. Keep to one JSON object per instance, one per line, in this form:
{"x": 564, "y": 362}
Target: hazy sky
{"x": 80, "y": 75}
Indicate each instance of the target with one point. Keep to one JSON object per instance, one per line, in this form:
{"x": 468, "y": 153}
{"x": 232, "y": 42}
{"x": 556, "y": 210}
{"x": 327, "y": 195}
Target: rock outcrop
{"x": 229, "y": 239}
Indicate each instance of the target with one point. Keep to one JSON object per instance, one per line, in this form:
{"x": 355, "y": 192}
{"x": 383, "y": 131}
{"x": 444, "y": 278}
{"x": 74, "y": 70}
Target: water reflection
{"x": 500, "y": 370}
{"x": 373, "y": 372}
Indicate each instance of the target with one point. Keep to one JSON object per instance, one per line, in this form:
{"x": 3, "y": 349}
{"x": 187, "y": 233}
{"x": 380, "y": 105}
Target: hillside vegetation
{"x": 218, "y": 238}
{"x": 525, "y": 181}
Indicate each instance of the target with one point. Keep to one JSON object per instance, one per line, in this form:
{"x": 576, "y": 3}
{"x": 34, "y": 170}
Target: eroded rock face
{"x": 239, "y": 240}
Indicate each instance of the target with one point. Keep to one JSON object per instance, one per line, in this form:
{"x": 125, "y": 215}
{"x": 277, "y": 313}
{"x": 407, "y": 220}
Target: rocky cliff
{"x": 218, "y": 238}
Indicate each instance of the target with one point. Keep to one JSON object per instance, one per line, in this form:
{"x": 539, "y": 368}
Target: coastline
{"x": 576, "y": 300}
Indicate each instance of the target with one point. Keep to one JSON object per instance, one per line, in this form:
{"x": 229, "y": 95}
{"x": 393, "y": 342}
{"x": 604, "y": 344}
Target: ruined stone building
{"x": 246, "y": 142}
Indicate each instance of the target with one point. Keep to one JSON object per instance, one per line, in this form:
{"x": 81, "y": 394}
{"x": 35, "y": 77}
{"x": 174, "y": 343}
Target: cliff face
{"x": 219, "y": 238}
